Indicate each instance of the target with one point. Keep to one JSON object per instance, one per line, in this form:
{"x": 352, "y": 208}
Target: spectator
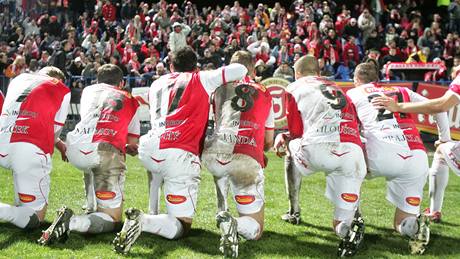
{"x": 285, "y": 71}
{"x": 420, "y": 56}
{"x": 454, "y": 16}
{"x": 177, "y": 38}
{"x": 366, "y": 23}
{"x": 109, "y": 12}
{"x": 76, "y": 67}
{"x": 350, "y": 51}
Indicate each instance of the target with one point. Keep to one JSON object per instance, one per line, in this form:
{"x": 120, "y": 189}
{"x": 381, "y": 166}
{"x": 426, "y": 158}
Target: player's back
{"x": 179, "y": 108}
{"x": 319, "y": 112}
{"x": 106, "y": 112}
{"x": 242, "y": 111}
{"x": 30, "y": 110}
{"x": 382, "y": 126}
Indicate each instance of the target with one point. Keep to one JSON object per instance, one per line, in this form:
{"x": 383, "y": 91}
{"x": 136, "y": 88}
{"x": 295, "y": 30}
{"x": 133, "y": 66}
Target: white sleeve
{"x": 270, "y": 122}
{"x": 271, "y": 61}
{"x": 186, "y": 29}
{"x": 442, "y": 120}
{"x": 61, "y": 115}
{"x": 254, "y": 48}
{"x": 134, "y": 127}
{"x": 215, "y": 78}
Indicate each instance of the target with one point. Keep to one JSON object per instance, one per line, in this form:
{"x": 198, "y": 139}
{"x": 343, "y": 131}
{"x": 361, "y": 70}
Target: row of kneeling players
{"x": 327, "y": 129}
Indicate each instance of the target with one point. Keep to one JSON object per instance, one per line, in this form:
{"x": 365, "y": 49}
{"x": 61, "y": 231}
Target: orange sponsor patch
{"x": 414, "y": 201}
{"x": 349, "y": 197}
{"x": 105, "y": 195}
{"x": 26, "y": 197}
{"x": 245, "y": 199}
{"x": 175, "y": 199}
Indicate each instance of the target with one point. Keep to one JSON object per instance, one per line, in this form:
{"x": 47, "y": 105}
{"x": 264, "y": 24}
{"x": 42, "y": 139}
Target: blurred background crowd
{"x": 139, "y": 36}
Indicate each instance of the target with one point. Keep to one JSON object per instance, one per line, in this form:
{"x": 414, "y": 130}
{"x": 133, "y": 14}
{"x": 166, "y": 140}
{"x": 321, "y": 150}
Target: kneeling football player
{"x": 109, "y": 128}
{"x": 324, "y": 136}
{"x": 234, "y": 154}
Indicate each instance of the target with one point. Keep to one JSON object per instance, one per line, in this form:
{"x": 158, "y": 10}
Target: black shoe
{"x": 59, "y": 230}
{"x": 350, "y": 244}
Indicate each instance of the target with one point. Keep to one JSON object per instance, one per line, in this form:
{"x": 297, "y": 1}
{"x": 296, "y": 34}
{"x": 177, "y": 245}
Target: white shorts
{"x": 451, "y": 153}
{"x": 83, "y": 156}
{"x": 246, "y": 179}
{"x": 31, "y": 173}
{"x": 405, "y": 171}
{"x": 343, "y": 164}
{"x": 180, "y": 171}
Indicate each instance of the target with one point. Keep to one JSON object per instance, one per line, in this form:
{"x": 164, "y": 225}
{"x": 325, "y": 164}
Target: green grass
{"x": 313, "y": 238}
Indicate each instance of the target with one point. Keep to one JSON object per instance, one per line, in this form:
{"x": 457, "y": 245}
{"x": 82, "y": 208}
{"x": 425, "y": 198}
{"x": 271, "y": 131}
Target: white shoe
{"x": 418, "y": 243}
{"x": 229, "y": 234}
{"x": 129, "y": 233}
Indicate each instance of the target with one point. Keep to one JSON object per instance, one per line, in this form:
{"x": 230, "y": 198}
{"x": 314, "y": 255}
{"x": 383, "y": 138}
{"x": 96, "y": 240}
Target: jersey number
{"x": 244, "y": 93}
{"x": 175, "y": 101}
{"x": 386, "y": 114}
{"x": 337, "y": 99}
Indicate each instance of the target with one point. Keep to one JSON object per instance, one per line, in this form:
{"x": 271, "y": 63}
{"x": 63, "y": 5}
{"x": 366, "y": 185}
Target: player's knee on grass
{"x": 405, "y": 223}
{"x": 249, "y": 227}
{"x": 342, "y": 221}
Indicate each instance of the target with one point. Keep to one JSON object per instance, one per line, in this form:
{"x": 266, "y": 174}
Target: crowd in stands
{"x": 139, "y": 37}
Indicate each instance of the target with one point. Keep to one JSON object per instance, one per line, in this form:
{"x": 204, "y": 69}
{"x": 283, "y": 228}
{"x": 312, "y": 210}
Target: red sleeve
{"x": 294, "y": 120}
{"x": 120, "y": 49}
{"x": 1, "y": 101}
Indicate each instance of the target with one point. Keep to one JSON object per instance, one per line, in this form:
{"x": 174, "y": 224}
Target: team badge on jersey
{"x": 105, "y": 195}
{"x": 175, "y": 199}
{"x": 245, "y": 199}
{"x": 414, "y": 201}
{"x": 26, "y": 197}
{"x": 349, "y": 197}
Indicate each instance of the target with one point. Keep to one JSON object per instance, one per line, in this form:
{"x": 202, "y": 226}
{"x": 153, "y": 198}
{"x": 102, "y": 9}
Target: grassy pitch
{"x": 313, "y": 238}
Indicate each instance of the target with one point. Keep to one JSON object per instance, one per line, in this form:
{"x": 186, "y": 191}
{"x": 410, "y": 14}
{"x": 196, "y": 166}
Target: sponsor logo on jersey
{"x": 175, "y": 199}
{"x": 373, "y": 89}
{"x": 26, "y": 197}
{"x": 277, "y": 89}
{"x": 245, "y": 199}
{"x": 18, "y": 129}
{"x": 349, "y": 197}
{"x": 414, "y": 201}
{"x": 105, "y": 195}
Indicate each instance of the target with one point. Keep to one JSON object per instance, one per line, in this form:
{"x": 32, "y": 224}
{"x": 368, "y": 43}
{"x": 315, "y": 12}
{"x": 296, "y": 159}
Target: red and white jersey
{"x": 179, "y": 105}
{"x": 237, "y": 131}
{"x": 35, "y": 108}
{"x": 2, "y": 99}
{"x": 108, "y": 115}
{"x": 455, "y": 86}
{"x": 319, "y": 112}
{"x": 382, "y": 126}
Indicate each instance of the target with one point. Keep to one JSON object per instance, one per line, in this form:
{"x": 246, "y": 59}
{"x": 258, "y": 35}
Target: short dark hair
{"x": 184, "y": 60}
{"x": 109, "y": 74}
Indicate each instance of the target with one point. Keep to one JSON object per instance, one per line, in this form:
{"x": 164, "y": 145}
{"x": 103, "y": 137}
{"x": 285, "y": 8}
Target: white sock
{"x": 19, "y": 216}
{"x": 162, "y": 225}
{"x": 439, "y": 177}
{"x": 408, "y": 226}
{"x": 94, "y": 223}
{"x": 342, "y": 229}
{"x": 248, "y": 227}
